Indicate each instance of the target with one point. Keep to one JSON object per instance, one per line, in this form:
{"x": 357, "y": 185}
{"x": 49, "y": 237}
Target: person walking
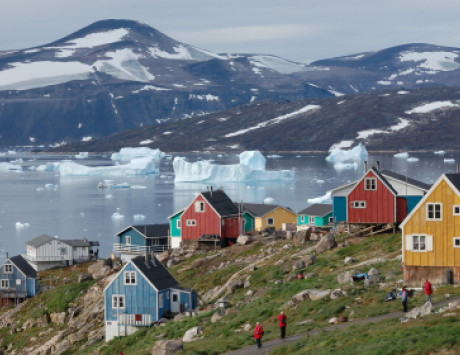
{"x": 282, "y": 319}
{"x": 428, "y": 290}
{"x": 404, "y": 295}
{"x": 258, "y": 334}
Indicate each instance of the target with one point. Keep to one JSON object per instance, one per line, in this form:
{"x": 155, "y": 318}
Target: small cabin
{"x": 269, "y": 216}
{"x": 175, "y": 227}
{"x": 316, "y": 215}
{"x": 18, "y": 281}
{"x": 141, "y": 294}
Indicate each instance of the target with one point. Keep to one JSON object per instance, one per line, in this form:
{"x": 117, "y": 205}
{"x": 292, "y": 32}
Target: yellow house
{"x": 431, "y": 235}
{"x": 266, "y": 216}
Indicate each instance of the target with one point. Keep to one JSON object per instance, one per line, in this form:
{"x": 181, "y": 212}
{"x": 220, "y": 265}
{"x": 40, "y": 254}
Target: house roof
{"x": 155, "y": 272}
{"x": 149, "y": 230}
{"x": 405, "y": 179}
{"x": 176, "y": 213}
{"x": 258, "y": 209}
{"x": 40, "y": 240}
{"x": 221, "y": 203}
{"x": 317, "y": 209}
{"x": 24, "y": 266}
{"x": 454, "y": 179}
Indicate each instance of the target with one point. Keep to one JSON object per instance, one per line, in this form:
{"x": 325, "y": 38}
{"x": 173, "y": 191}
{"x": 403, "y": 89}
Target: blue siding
{"x": 139, "y": 299}
{"x": 136, "y": 237}
{"x": 194, "y": 299}
{"x": 340, "y": 208}
{"x": 412, "y": 202}
{"x": 15, "y": 275}
{"x": 166, "y": 303}
{"x": 185, "y": 299}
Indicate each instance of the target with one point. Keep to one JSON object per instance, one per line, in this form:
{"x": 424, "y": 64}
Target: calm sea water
{"x": 33, "y": 203}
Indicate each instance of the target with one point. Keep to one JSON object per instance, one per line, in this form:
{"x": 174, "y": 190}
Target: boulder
{"x": 301, "y": 296}
{"x": 244, "y": 239}
{"x": 167, "y": 347}
{"x": 192, "y": 334}
{"x": 84, "y": 277}
{"x": 349, "y": 260}
{"x": 234, "y": 285}
{"x": 58, "y": 318}
{"x": 374, "y": 277}
{"x": 299, "y": 264}
{"x": 316, "y": 295}
{"x": 100, "y": 268}
{"x": 217, "y": 316}
{"x": 250, "y": 293}
{"x": 421, "y": 311}
{"x": 315, "y": 236}
{"x": 247, "y": 327}
{"x": 326, "y": 243}
{"x": 346, "y": 277}
{"x": 337, "y": 293}
{"x": 309, "y": 260}
{"x": 302, "y": 236}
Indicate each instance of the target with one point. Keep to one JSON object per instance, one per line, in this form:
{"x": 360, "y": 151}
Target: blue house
{"x": 138, "y": 240}
{"x": 142, "y": 293}
{"x": 18, "y": 280}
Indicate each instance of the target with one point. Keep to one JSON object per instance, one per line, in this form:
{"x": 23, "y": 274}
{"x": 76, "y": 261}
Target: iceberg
{"x": 128, "y": 154}
{"x": 250, "y": 168}
{"x": 440, "y": 152}
{"x": 339, "y": 155}
{"x": 449, "y": 160}
{"x": 326, "y": 198}
{"x": 269, "y": 201}
{"x": 404, "y": 155}
{"x": 49, "y": 167}
{"x": 9, "y": 166}
{"x": 139, "y": 166}
{"x": 81, "y": 155}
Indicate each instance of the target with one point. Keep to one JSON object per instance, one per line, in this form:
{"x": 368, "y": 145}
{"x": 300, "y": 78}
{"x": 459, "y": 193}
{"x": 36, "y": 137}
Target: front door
{"x": 175, "y": 302}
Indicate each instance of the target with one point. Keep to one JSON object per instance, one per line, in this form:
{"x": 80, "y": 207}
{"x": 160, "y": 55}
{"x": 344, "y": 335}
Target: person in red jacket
{"x": 258, "y": 334}
{"x": 428, "y": 290}
{"x": 282, "y": 319}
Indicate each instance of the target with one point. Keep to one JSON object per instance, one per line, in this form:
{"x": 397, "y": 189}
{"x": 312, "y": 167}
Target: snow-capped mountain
{"x": 116, "y": 75}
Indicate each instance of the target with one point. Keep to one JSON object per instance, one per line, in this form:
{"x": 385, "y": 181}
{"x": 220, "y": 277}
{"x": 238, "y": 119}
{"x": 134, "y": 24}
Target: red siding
{"x": 207, "y": 222}
{"x": 231, "y": 227}
{"x": 401, "y": 208}
{"x": 380, "y": 203}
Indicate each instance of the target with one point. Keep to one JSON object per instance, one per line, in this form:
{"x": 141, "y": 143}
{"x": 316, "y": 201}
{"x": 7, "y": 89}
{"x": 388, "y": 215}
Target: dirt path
{"x": 271, "y": 345}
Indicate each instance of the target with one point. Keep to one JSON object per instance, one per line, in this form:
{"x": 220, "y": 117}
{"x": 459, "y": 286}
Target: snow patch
{"x": 426, "y": 108}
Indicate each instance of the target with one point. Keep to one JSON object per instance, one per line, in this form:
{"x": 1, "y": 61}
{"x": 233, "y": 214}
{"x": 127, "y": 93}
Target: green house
{"x": 175, "y": 227}
{"x": 318, "y": 214}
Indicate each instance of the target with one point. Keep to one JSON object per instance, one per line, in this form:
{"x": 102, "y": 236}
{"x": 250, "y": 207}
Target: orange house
{"x": 431, "y": 235}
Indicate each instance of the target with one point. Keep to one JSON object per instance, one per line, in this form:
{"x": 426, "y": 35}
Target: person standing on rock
{"x": 404, "y": 295}
{"x": 428, "y": 290}
{"x": 282, "y": 318}
{"x": 258, "y": 334}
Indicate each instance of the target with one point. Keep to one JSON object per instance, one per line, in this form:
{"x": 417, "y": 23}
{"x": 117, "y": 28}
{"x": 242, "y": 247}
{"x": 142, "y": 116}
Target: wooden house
{"x": 318, "y": 214}
{"x": 45, "y": 252}
{"x": 18, "y": 280}
{"x": 175, "y": 228}
{"x": 212, "y": 216}
{"x": 431, "y": 235}
{"x": 378, "y": 198}
{"x": 142, "y": 293}
{"x": 137, "y": 240}
{"x": 269, "y": 216}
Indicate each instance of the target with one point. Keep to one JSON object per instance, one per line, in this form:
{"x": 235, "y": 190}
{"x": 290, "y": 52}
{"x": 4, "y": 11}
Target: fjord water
{"x": 34, "y": 202}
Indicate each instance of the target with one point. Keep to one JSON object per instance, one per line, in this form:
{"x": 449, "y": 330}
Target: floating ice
{"x": 117, "y": 215}
{"x": 138, "y": 187}
{"x": 440, "y": 152}
{"x": 251, "y": 168}
{"x": 273, "y": 156}
{"x": 17, "y": 161}
{"x": 403, "y": 155}
{"x": 128, "y": 154}
{"x": 49, "y": 186}
{"x": 345, "y": 166}
{"x": 412, "y": 159}
{"x": 140, "y": 166}
{"x": 449, "y": 160}
{"x": 339, "y": 155}
{"x": 139, "y": 217}
{"x": 49, "y": 166}
{"x": 326, "y": 198}
{"x": 81, "y": 155}
{"x": 9, "y": 166}
{"x": 269, "y": 200}
{"x": 20, "y": 225}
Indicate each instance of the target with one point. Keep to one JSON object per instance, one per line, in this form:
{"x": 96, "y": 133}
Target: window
{"x": 130, "y": 278}
{"x": 457, "y": 210}
{"x": 456, "y": 242}
{"x": 370, "y": 184}
{"x": 302, "y": 218}
{"x": 179, "y": 224}
{"x": 128, "y": 240}
{"x": 175, "y": 297}
{"x": 118, "y": 301}
{"x": 331, "y": 219}
{"x": 8, "y": 268}
{"x": 63, "y": 251}
{"x": 434, "y": 211}
{"x": 270, "y": 221}
{"x": 359, "y": 204}
{"x": 18, "y": 282}
{"x": 419, "y": 242}
{"x": 312, "y": 220}
{"x": 4, "y": 284}
{"x": 191, "y": 222}
{"x": 199, "y": 206}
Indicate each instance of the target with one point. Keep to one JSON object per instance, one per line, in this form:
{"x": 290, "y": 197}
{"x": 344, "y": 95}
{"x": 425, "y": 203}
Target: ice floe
{"x": 341, "y": 155}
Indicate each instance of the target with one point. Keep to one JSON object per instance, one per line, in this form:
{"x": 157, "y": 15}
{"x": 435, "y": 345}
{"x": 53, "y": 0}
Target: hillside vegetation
{"x": 259, "y": 281}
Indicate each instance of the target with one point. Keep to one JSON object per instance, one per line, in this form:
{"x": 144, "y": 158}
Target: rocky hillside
{"x": 239, "y": 285}
{"x": 394, "y": 120}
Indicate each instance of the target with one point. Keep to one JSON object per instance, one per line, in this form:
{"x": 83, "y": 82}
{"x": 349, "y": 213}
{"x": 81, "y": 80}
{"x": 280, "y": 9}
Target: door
{"x": 175, "y": 302}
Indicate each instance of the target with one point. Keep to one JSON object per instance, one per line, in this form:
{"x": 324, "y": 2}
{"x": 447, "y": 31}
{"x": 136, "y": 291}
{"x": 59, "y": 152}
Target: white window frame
{"x": 456, "y": 207}
{"x": 415, "y": 241}
{"x": 179, "y": 224}
{"x": 312, "y": 220}
{"x": 359, "y": 204}
{"x": 200, "y": 206}
{"x": 191, "y": 222}
{"x": 4, "y": 283}
{"x": 8, "y": 268}
{"x": 128, "y": 240}
{"x": 118, "y": 302}
{"x": 370, "y": 184}
{"x": 302, "y": 219}
{"x": 272, "y": 221}
{"x": 331, "y": 219}
{"x": 456, "y": 239}
{"x": 130, "y": 278}
{"x": 434, "y": 218}
{"x": 18, "y": 282}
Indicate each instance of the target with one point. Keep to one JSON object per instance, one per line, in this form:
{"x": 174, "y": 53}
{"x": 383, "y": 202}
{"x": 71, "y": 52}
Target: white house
{"x": 45, "y": 252}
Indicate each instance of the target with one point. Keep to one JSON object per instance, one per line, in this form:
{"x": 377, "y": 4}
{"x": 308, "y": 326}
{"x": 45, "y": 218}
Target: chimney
{"x": 210, "y": 190}
{"x": 365, "y": 166}
{"x": 378, "y": 165}
{"x": 6, "y": 256}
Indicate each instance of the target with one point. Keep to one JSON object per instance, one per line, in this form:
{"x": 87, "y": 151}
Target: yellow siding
{"x": 258, "y": 224}
{"x": 280, "y": 215}
{"x": 443, "y": 232}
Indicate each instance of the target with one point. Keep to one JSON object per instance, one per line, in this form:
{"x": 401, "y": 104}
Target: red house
{"x": 373, "y": 200}
{"x": 212, "y": 214}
